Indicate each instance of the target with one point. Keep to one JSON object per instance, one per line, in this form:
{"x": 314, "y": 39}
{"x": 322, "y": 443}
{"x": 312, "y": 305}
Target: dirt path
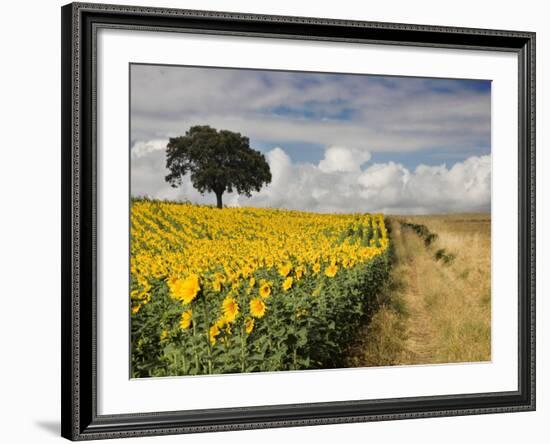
{"x": 400, "y": 332}
{"x": 412, "y": 265}
{"x": 428, "y": 312}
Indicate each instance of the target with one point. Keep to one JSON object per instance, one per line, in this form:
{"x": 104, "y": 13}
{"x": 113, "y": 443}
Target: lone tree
{"x": 218, "y": 161}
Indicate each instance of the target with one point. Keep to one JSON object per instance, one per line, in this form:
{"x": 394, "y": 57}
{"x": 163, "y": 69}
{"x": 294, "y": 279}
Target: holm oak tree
{"x": 217, "y": 161}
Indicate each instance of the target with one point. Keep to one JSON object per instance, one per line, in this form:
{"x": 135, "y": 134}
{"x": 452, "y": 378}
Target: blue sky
{"x": 317, "y": 119}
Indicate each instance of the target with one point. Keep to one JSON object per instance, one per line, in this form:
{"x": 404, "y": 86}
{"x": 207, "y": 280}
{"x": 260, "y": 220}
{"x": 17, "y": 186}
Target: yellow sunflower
{"x": 331, "y": 270}
{"x": 285, "y": 268}
{"x": 186, "y": 290}
{"x": 257, "y": 308}
{"x": 287, "y": 284}
{"x": 316, "y": 267}
{"x": 185, "y": 321}
{"x": 230, "y": 308}
{"x": 265, "y": 290}
{"x": 249, "y": 325}
{"x": 214, "y": 331}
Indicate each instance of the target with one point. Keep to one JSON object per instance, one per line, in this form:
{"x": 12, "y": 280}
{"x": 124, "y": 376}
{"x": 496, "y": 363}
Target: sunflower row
{"x": 247, "y": 289}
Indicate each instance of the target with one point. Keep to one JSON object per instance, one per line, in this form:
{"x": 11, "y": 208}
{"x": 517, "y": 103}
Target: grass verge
{"x": 432, "y": 311}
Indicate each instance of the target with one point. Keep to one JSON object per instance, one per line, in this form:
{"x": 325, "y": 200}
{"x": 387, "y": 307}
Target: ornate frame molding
{"x": 80, "y": 22}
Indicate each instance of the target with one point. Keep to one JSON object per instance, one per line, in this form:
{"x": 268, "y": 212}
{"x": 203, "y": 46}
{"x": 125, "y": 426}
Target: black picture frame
{"x": 80, "y": 22}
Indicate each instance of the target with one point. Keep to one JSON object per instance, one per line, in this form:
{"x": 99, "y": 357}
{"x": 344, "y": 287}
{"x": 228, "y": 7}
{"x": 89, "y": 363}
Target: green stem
{"x": 243, "y": 337}
{"x": 296, "y": 337}
{"x": 207, "y": 336}
{"x": 183, "y": 360}
{"x": 195, "y": 348}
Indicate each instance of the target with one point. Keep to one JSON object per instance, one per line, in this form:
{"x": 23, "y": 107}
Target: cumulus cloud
{"x": 142, "y": 148}
{"x": 339, "y": 158}
{"x": 343, "y": 181}
{"x": 464, "y": 187}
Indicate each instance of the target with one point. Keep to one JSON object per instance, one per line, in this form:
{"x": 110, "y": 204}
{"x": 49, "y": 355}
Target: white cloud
{"x": 147, "y": 172}
{"x": 466, "y": 186}
{"x": 142, "y": 148}
{"x": 336, "y": 184}
{"x": 339, "y": 158}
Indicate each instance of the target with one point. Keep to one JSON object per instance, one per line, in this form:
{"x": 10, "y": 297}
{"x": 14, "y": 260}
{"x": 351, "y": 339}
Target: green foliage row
{"x": 429, "y": 238}
{"x": 422, "y": 231}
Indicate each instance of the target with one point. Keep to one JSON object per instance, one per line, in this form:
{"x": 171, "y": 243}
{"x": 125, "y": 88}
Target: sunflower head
{"x": 213, "y": 333}
{"x": 185, "y": 320}
{"x": 230, "y": 308}
{"x": 187, "y": 289}
{"x": 265, "y": 290}
{"x": 249, "y": 325}
{"x": 287, "y": 284}
{"x": 257, "y": 308}
{"x": 316, "y": 267}
{"x": 331, "y": 270}
{"x": 285, "y": 268}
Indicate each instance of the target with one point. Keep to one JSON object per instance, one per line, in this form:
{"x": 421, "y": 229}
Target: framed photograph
{"x": 281, "y": 221}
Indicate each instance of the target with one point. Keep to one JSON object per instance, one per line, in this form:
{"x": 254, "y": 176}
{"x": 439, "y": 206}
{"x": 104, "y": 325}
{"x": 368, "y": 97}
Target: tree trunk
{"x": 219, "y": 199}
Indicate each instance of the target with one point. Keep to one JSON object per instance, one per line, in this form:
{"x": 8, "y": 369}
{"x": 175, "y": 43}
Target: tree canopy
{"x": 217, "y": 161}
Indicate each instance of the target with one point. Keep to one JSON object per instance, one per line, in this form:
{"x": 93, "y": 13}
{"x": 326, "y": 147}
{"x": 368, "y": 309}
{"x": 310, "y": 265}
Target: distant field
{"x": 437, "y": 306}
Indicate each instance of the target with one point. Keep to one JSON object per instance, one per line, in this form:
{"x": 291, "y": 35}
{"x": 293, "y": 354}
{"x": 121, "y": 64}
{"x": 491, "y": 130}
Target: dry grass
{"x": 433, "y": 312}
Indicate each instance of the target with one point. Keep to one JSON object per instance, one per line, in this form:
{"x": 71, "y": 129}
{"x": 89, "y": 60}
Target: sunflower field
{"x": 247, "y": 289}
